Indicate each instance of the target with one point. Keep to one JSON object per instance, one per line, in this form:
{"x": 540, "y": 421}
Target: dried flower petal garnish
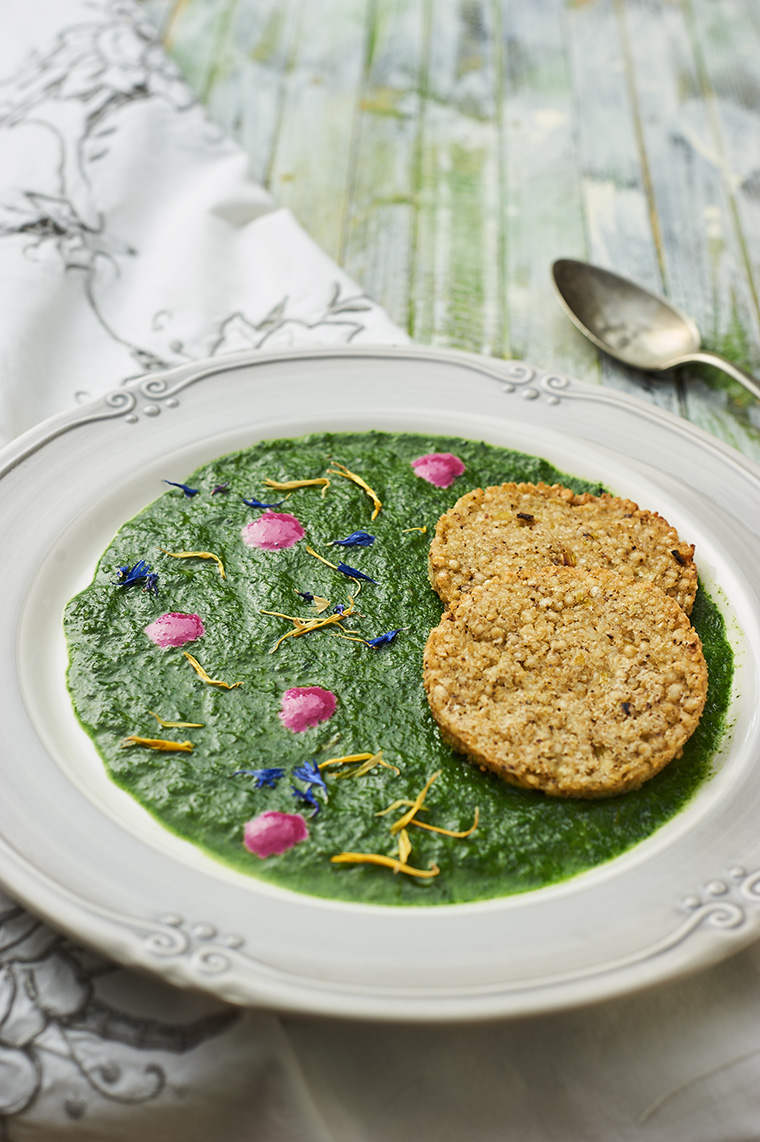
{"x": 450, "y": 832}
{"x": 196, "y": 555}
{"x": 151, "y": 583}
{"x": 158, "y": 744}
{"x": 127, "y": 576}
{"x": 306, "y": 706}
{"x": 345, "y": 760}
{"x": 352, "y": 573}
{"x": 355, "y": 539}
{"x": 291, "y": 485}
{"x": 369, "y": 764}
{"x": 259, "y": 504}
{"x": 387, "y": 862}
{"x": 308, "y": 796}
{"x": 404, "y": 846}
{"x": 189, "y": 492}
{"x": 272, "y": 833}
{"x": 177, "y": 725}
{"x": 175, "y": 629}
{"x": 342, "y": 470}
{"x": 422, "y": 529}
{"x": 383, "y": 639}
{"x": 309, "y": 772}
{"x": 272, "y": 531}
{"x": 415, "y": 806}
{"x": 438, "y": 468}
{"x": 204, "y": 676}
{"x": 269, "y": 776}
{"x": 306, "y": 626}
{"x": 220, "y": 489}
{"x": 306, "y": 596}
{"x": 321, "y": 558}
{"x": 398, "y": 804}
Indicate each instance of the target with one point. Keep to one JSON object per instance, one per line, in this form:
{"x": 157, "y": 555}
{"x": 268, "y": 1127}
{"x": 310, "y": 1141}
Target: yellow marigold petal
{"x": 177, "y": 725}
{"x": 342, "y": 470}
{"x": 320, "y": 604}
{"x": 404, "y": 846}
{"x": 422, "y": 529}
{"x": 321, "y": 558}
{"x": 344, "y": 760}
{"x": 159, "y": 744}
{"x": 373, "y": 760}
{"x": 398, "y": 804}
{"x": 196, "y": 555}
{"x": 289, "y": 485}
{"x": 205, "y": 677}
{"x": 416, "y": 805}
{"x": 449, "y": 832}
{"x": 387, "y": 862}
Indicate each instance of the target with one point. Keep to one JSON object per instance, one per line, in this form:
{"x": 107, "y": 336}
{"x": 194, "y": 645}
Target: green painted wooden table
{"x": 447, "y": 151}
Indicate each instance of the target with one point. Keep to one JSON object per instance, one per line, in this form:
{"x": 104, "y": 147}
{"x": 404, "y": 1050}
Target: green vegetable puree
{"x": 116, "y": 676}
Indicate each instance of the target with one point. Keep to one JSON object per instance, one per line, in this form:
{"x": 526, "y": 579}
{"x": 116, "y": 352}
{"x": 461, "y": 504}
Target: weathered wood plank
{"x": 703, "y": 264}
{"x": 622, "y": 231}
{"x": 311, "y": 167}
{"x": 726, "y": 34}
{"x": 247, "y": 92}
{"x": 378, "y": 239}
{"x": 456, "y": 293}
{"x": 542, "y": 194}
{"x": 194, "y": 35}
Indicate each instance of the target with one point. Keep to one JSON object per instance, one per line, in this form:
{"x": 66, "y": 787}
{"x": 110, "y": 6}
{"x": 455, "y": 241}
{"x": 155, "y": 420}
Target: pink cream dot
{"x": 439, "y": 468}
{"x": 273, "y": 531}
{"x": 306, "y": 706}
{"x": 175, "y": 629}
{"x": 273, "y": 833}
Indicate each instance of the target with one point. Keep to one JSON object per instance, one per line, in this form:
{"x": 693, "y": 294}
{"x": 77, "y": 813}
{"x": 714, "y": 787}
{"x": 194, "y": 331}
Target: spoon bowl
{"x": 633, "y": 325}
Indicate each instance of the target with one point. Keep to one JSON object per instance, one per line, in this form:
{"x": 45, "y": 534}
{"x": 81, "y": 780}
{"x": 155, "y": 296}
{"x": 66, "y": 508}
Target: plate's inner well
{"x": 119, "y": 679}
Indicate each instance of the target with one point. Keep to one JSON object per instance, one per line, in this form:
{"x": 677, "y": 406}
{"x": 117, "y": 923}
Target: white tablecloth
{"x": 131, "y": 237}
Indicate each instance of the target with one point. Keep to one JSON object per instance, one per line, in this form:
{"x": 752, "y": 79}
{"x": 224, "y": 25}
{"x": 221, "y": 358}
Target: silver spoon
{"x": 632, "y": 324}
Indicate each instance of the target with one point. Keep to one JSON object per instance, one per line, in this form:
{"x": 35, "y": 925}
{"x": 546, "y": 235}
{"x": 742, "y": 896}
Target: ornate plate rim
{"x": 201, "y": 954}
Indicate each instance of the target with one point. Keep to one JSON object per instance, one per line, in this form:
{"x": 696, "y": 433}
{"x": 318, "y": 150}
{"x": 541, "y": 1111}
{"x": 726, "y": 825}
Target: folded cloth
{"x": 132, "y": 238}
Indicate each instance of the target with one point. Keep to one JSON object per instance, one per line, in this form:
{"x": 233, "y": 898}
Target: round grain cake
{"x": 580, "y": 683}
{"x": 495, "y": 531}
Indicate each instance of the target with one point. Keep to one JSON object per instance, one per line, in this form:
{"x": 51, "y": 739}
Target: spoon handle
{"x": 707, "y": 358}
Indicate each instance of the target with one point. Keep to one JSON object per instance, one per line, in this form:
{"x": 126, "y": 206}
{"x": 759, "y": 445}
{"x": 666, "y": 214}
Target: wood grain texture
{"x": 447, "y": 151}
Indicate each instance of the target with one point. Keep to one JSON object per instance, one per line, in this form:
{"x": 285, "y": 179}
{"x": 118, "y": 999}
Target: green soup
{"x": 117, "y": 676}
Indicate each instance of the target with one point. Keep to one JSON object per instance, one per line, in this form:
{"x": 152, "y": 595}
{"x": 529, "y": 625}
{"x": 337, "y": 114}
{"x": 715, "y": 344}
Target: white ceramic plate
{"x": 81, "y": 853}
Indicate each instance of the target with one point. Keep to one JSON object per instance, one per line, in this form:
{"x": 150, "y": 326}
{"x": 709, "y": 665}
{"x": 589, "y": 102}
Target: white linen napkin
{"x": 131, "y": 238}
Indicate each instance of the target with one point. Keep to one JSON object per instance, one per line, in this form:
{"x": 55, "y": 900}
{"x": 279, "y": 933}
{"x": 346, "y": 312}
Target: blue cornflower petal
{"x": 189, "y": 492}
{"x": 339, "y": 608}
{"x": 307, "y": 796}
{"x": 220, "y": 489}
{"x": 309, "y": 772}
{"x": 127, "y": 576}
{"x": 151, "y": 583}
{"x": 353, "y": 574}
{"x": 258, "y": 504}
{"x": 355, "y": 539}
{"x": 307, "y": 595}
{"x": 263, "y": 776}
{"x": 383, "y": 639}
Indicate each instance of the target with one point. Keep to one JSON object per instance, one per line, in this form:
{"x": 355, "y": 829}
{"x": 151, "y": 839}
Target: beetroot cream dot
{"x": 273, "y": 531}
{"x": 439, "y": 468}
{"x": 306, "y": 706}
{"x": 175, "y": 629}
{"x": 274, "y": 833}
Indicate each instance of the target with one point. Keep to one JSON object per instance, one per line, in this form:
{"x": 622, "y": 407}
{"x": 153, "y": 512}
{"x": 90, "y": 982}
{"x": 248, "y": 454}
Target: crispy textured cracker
{"x": 496, "y": 531}
{"x": 578, "y": 683}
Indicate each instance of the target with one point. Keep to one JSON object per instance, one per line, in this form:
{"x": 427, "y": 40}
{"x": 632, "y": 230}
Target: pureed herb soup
{"x": 268, "y": 617}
